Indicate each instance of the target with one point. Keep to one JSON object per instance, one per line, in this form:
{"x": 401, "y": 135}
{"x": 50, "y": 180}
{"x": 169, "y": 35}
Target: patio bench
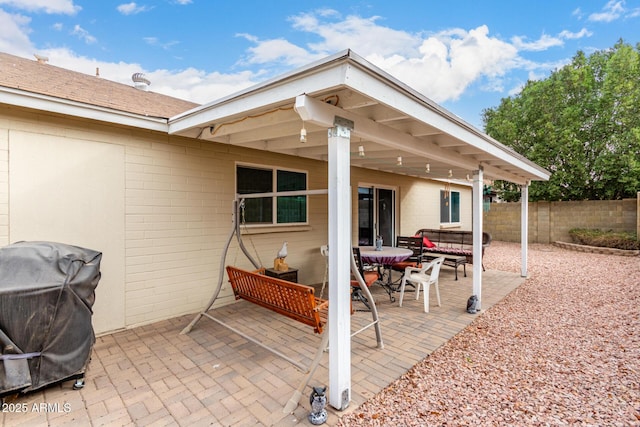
{"x": 452, "y": 242}
{"x": 449, "y": 260}
{"x": 290, "y": 299}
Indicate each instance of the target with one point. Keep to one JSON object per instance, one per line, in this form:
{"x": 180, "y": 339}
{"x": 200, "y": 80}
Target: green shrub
{"x": 605, "y": 239}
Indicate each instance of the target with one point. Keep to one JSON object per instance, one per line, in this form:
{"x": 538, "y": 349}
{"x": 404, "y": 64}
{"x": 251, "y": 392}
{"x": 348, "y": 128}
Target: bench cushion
{"x": 450, "y": 251}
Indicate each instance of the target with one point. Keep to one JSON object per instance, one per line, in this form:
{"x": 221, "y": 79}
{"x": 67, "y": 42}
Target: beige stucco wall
{"x": 64, "y": 189}
{"x": 4, "y": 183}
{"x": 418, "y": 200}
{"x": 175, "y": 199}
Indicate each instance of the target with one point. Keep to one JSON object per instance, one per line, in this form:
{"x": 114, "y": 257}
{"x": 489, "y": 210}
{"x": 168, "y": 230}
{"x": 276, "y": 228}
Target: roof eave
{"x": 67, "y": 107}
{"x": 347, "y": 69}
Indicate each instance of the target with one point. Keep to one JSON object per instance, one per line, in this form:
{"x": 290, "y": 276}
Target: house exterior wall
{"x": 162, "y": 248}
{"x": 418, "y": 200}
{"x": 4, "y": 183}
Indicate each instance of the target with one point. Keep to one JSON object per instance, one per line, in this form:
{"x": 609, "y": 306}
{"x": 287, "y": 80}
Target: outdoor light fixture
{"x": 399, "y": 161}
{"x": 303, "y": 134}
{"x": 450, "y": 173}
{"x": 427, "y": 168}
{"x": 361, "y": 150}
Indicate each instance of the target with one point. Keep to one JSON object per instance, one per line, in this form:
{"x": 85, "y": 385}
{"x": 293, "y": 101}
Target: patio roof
{"x": 390, "y": 120}
{"x": 345, "y": 111}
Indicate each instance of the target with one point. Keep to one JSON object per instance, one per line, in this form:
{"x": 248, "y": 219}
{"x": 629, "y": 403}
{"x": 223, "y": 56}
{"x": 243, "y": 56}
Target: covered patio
{"x": 347, "y": 112}
{"x": 152, "y": 376}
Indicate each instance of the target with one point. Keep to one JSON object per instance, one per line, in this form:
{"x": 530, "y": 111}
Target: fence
{"x": 551, "y": 221}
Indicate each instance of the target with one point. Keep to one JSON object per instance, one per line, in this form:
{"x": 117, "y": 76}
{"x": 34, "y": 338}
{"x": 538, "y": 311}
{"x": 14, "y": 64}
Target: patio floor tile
{"x": 151, "y": 375}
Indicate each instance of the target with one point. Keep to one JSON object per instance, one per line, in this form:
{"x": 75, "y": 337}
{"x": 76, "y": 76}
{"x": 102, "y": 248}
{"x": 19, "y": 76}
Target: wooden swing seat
{"x": 293, "y": 300}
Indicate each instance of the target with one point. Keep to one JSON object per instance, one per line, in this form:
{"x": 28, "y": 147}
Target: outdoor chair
{"x": 369, "y": 276}
{"x": 420, "y": 278}
{"x": 413, "y": 243}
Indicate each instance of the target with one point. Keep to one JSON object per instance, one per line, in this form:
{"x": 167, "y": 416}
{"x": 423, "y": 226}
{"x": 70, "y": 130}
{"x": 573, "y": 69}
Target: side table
{"x": 290, "y": 275}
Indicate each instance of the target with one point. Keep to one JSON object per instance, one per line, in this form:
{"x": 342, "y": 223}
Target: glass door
{"x": 386, "y": 216}
{"x": 376, "y": 215}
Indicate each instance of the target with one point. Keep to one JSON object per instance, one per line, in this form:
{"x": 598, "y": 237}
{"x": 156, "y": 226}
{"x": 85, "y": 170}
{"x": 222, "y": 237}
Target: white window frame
{"x": 274, "y": 200}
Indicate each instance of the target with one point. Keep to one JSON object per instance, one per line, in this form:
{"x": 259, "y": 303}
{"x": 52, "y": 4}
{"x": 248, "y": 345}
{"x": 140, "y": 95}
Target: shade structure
{"x": 47, "y": 291}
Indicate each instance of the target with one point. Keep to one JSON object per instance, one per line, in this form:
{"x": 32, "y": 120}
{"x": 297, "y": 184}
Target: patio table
{"x": 384, "y": 259}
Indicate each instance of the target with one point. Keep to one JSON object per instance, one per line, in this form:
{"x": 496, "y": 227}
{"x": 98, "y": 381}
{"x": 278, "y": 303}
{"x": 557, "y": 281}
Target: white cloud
{"x": 48, "y": 6}
{"x": 83, "y": 34}
{"x": 448, "y": 62}
{"x": 370, "y": 37}
{"x": 278, "y": 51}
{"x": 197, "y": 85}
{"x": 14, "y": 34}
{"x": 131, "y": 8}
{"x": 440, "y": 65}
{"x": 610, "y": 12}
{"x": 573, "y": 36}
{"x": 543, "y": 43}
{"x": 154, "y": 41}
{"x": 577, "y": 13}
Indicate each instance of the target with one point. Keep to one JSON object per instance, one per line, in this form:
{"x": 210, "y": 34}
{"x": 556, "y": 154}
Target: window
{"x": 449, "y": 206}
{"x": 272, "y": 210}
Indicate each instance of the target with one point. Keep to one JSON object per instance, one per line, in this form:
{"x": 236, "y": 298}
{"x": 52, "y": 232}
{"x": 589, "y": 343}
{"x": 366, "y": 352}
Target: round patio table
{"x": 387, "y": 256}
{"x": 384, "y": 259}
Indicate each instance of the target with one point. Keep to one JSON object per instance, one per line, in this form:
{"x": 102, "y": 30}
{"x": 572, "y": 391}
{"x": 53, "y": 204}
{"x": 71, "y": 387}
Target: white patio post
{"x": 477, "y": 234}
{"x": 524, "y": 227}
{"x": 339, "y": 265}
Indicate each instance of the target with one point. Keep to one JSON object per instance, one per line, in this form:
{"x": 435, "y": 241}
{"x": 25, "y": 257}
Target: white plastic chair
{"x": 420, "y": 278}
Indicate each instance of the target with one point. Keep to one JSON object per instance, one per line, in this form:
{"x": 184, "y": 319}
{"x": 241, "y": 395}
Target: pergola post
{"x": 478, "y": 181}
{"x": 524, "y": 228}
{"x": 339, "y": 265}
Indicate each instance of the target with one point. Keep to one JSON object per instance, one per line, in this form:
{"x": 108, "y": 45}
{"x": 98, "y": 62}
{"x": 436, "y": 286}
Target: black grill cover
{"x": 47, "y": 291}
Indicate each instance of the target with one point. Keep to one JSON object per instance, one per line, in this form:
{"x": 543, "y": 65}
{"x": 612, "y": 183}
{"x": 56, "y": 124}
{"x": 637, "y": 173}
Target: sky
{"x": 465, "y": 55}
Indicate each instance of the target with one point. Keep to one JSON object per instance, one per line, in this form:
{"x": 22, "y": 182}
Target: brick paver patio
{"x": 153, "y": 376}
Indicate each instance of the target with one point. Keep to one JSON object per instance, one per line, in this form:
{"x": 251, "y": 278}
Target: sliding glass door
{"x": 376, "y": 215}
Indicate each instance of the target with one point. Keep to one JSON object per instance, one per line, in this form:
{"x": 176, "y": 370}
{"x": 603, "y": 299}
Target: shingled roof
{"x": 43, "y": 78}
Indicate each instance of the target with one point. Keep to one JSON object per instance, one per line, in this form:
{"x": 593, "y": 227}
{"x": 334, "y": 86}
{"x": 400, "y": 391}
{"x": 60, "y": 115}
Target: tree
{"x": 582, "y": 124}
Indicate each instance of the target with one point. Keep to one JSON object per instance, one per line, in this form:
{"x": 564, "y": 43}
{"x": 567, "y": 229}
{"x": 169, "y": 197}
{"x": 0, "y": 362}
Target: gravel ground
{"x": 563, "y": 349}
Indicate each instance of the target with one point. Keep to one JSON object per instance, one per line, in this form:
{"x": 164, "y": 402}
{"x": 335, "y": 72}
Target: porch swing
{"x": 293, "y": 300}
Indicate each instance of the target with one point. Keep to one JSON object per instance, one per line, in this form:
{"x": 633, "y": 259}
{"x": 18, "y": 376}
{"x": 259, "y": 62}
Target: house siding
{"x": 178, "y": 196}
{"x": 4, "y": 184}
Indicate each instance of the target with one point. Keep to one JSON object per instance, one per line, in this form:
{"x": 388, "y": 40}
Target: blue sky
{"x": 465, "y": 55}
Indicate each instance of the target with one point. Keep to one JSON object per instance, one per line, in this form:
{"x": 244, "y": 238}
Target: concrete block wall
{"x": 551, "y": 221}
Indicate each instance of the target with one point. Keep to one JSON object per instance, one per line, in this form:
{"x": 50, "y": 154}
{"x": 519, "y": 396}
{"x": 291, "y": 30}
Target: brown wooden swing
{"x": 293, "y": 300}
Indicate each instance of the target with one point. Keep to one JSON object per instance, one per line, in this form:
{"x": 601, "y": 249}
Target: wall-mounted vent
{"x": 140, "y": 81}
{"x": 41, "y": 59}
